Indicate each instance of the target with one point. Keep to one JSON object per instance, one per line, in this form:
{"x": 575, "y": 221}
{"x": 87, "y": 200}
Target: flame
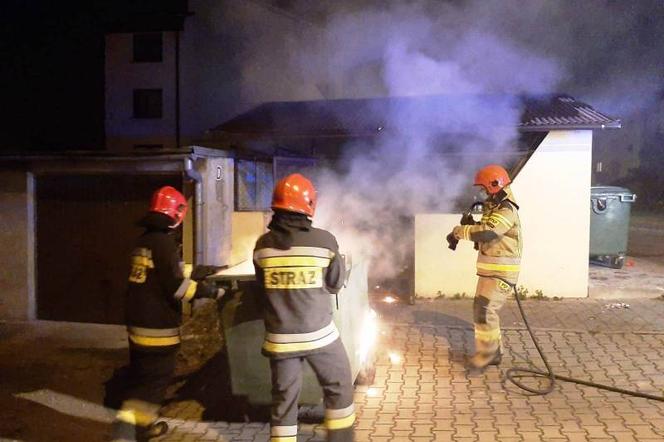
{"x": 373, "y": 392}
{"x": 369, "y": 334}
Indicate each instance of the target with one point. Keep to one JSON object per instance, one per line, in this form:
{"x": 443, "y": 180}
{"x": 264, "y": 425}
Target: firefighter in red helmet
{"x": 157, "y": 287}
{"x": 297, "y": 268}
{"x": 499, "y": 240}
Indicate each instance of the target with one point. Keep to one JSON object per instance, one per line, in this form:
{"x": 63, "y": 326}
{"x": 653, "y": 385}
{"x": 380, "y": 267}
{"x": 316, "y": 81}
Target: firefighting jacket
{"x": 499, "y": 237}
{"x": 156, "y": 287}
{"x": 296, "y": 281}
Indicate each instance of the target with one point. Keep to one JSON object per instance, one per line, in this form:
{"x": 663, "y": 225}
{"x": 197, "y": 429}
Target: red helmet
{"x": 170, "y": 202}
{"x": 295, "y": 193}
{"x": 493, "y": 178}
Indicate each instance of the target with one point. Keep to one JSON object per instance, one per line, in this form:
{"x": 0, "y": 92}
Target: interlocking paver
{"x": 429, "y": 395}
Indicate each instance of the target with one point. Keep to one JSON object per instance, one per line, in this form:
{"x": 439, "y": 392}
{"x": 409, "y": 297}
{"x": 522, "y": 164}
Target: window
{"x": 147, "y": 103}
{"x": 254, "y": 180}
{"x": 148, "y": 47}
{"x": 253, "y": 185}
{"x": 284, "y": 166}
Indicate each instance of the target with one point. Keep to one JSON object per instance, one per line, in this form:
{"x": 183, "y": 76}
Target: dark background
{"x": 52, "y": 67}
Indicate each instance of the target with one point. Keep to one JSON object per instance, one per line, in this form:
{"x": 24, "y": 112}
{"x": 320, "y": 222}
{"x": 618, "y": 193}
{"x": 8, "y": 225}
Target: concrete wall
{"x": 553, "y": 190}
{"x": 16, "y": 260}
{"x": 439, "y": 270}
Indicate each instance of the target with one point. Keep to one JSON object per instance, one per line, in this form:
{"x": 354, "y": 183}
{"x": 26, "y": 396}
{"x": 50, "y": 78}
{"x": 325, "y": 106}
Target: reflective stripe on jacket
{"x": 499, "y": 238}
{"x": 296, "y": 285}
{"x": 157, "y": 284}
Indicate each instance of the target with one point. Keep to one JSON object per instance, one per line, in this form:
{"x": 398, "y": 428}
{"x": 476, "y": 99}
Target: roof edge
{"x": 615, "y": 124}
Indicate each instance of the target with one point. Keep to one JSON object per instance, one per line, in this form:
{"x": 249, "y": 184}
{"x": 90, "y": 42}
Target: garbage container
{"x": 242, "y": 324}
{"x": 610, "y": 209}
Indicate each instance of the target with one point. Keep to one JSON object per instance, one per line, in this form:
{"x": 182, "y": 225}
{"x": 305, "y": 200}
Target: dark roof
{"x": 367, "y": 117}
{"x": 109, "y": 156}
{"x": 563, "y": 112}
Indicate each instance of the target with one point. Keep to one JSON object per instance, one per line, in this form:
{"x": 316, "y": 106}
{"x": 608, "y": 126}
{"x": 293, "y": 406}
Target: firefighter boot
{"x": 122, "y": 431}
{"x": 481, "y": 360}
{"x": 156, "y": 429}
{"x": 145, "y": 434}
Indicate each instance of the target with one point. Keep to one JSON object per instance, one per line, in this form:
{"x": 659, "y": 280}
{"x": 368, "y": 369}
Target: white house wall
{"x": 221, "y": 72}
{"x": 123, "y": 131}
{"x": 553, "y": 191}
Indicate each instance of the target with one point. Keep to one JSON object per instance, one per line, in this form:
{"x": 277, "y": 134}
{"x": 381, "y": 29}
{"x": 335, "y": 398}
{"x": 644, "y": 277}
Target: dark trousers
{"x": 333, "y": 372}
{"x": 150, "y": 373}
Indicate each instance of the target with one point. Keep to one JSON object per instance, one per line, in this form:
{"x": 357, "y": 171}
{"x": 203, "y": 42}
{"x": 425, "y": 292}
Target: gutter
{"x": 177, "y": 89}
{"x": 196, "y": 177}
{"x": 553, "y": 127}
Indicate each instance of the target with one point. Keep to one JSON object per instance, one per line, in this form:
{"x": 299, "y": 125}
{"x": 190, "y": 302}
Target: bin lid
{"x": 243, "y": 271}
{"x": 610, "y": 191}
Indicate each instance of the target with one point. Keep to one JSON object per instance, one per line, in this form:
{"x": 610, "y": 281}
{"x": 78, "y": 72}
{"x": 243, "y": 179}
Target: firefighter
{"x": 156, "y": 290}
{"x": 297, "y": 268}
{"x": 498, "y": 236}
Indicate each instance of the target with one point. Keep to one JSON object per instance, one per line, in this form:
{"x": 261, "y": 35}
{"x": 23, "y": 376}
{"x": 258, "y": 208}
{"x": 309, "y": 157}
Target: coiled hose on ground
{"x": 516, "y": 373}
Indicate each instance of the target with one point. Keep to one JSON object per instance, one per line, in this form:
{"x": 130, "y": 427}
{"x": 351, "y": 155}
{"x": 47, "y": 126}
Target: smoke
{"x": 604, "y": 51}
{"x": 419, "y": 163}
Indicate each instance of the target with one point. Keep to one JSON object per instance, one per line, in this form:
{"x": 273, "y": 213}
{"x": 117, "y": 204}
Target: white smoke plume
{"x": 406, "y": 50}
{"x": 600, "y": 50}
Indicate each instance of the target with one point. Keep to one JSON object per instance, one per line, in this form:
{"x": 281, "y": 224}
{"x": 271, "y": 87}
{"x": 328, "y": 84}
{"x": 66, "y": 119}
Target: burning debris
{"x": 202, "y": 337}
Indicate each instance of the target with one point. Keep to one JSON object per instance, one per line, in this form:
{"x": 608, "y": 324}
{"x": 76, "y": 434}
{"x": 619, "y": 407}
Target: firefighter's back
{"x": 297, "y": 296}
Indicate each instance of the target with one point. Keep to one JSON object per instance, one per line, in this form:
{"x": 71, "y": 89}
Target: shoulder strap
{"x": 509, "y": 203}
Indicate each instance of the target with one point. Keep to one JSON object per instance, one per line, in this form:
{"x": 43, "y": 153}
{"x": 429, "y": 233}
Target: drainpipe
{"x": 196, "y": 177}
{"x": 177, "y": 89}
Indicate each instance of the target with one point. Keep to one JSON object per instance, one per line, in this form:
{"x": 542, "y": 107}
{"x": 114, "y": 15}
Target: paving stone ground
{"x": 426, "y": 394}
{"x": 423, "y": 392}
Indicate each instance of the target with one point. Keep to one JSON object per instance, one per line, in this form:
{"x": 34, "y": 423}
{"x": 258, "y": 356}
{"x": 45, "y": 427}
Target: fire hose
{"x": 516, "y": 373}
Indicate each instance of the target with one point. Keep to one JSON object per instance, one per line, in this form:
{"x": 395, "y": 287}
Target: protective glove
{"x": 467, "y": 219}
{"x": 452, "y": 241}
{"x": 208, "y": 290}
{"x": 201, "y": 272}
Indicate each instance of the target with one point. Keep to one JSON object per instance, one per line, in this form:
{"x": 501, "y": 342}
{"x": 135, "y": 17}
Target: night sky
{"x": 52, "y": 72}
{"x": 51, "y": 76}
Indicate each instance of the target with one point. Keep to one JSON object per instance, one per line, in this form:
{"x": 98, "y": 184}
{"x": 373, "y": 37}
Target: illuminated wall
{"x": 553, "y": 190}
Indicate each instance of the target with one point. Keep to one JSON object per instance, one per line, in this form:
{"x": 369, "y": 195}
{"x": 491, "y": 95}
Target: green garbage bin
{"x": 610, "y": 209}
{"x": 243, "y": 329}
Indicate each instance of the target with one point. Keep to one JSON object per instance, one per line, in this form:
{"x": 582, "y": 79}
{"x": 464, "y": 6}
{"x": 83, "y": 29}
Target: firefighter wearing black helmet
{"x": 298, "y": 267}
{"x": 157, "y": 287}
